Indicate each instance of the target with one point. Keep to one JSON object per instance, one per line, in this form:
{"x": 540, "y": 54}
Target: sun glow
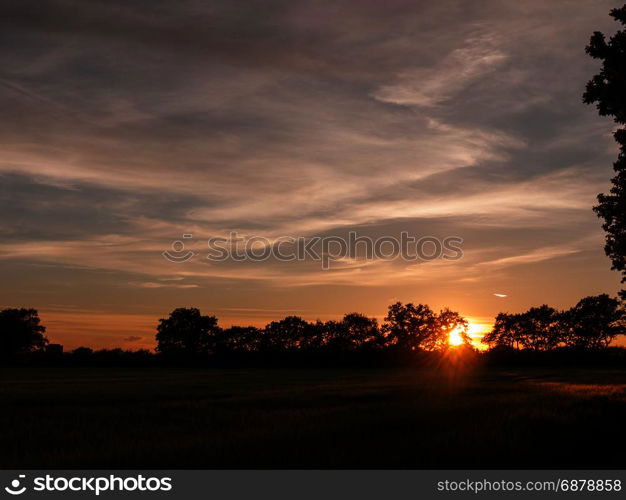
{"x": 475, "y": 331}
{"x": 455, "y": 338}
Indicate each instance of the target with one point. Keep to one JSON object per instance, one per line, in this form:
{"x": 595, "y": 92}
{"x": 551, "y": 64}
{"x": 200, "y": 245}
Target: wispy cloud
{"x": 477, "y": 58}
{"x": 124, "y": 129}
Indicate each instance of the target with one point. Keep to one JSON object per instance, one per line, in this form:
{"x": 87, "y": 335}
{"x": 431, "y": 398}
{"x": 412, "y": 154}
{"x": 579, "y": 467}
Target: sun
{"x": 455, "y": 338}
{"x": 473, "y": 335}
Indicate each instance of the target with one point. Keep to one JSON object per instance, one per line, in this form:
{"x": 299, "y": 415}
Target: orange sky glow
{"x": 123, "y": 133}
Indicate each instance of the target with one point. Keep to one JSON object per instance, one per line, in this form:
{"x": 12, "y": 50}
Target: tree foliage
{"x": 408, "y": 327}
{"x": 594, "y": 322}
{"x": 186, "y": 332}
{"x": 447, "y": 322}
{"x": 607, "y": 90}
{"x": 21, "y": 331}
{"x": 413, "y": 327}
{"x": 591, "y": 324}
{"x": 354, "y": 331}
{"x": 289, "y": 334}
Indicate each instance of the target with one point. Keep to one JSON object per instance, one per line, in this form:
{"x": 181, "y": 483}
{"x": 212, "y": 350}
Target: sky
{"x": 126, "y": 124}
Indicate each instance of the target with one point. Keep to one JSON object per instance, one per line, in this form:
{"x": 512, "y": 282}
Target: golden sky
{"x": 126, "y": 127}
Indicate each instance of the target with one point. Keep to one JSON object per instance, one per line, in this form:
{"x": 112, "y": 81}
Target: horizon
{"x": 141, "y": 330}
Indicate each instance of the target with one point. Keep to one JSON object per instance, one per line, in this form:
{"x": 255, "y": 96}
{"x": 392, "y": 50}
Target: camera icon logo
{"x": 178, "y": 254}
{"x": 15, "y": 489}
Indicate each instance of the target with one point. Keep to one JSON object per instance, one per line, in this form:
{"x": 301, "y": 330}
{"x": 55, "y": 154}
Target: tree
{"x": 594, "y": 322}
{"x": 505, "y": 331}
{"x": 289, "y": 334}
{"x": 539, "y": 329}
{"x": 607, "y": 91}
{"x": 411, "y": 326}
{"x": 186, "y": 332}
{"x": 354, "y": 331}
{"x": 449, "y": 321}
{"x": 21, "y": 331}
{"x": 239, "y": 339}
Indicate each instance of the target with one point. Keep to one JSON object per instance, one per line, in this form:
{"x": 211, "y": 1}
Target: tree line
{"x": 409, "y": 327}
{"x": 592, "y": 324}
{"x": 189, "y": 333}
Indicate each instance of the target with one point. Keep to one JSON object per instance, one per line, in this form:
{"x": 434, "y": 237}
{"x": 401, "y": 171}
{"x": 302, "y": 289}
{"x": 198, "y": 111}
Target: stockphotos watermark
{"x": 94, "y": 484}
{"x": 323, "y": 249}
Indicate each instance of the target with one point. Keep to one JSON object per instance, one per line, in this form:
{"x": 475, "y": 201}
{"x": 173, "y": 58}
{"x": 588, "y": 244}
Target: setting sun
{"x": 475, "y": 332}
{"x": 455, "y": 338}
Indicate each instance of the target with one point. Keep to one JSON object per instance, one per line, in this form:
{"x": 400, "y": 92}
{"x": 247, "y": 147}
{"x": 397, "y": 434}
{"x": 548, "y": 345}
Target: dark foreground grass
{"x": 435, "y": 417}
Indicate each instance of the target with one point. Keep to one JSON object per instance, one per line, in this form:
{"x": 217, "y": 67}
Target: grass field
{"x": 312, "y": 418}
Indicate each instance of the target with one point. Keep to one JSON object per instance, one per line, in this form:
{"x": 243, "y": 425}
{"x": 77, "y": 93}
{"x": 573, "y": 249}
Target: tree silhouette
{"x": 239, "y": 339}
{"x": 187, "y": 333}
{"x": 539, "y": 329}
{"x": 411, "y": 326}
{"x": 21, "y": 331}
{"x": 505, "y": 331}
{"x": 288, "y": 334}
{"x": 447, "y": 322}
{"x": 607, "y": 90}
{"x": 594, "y": 322}
{"x": 354, "y": 331}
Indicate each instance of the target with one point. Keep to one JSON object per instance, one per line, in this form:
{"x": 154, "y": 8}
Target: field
{"x": 71, "y": 417}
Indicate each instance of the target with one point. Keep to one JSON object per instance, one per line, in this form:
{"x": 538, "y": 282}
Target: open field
{"x": 313, "y": 418}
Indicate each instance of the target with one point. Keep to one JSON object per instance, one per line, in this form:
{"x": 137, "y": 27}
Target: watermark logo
{"x": 94, "y": 485}
{"x": 15, "y": 489}
{"x": 323, "y": 249}
{"x": 177, "y": 253}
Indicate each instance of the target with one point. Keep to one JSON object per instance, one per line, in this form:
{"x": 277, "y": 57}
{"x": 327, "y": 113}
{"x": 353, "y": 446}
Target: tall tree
{"x": 607, "y": 90}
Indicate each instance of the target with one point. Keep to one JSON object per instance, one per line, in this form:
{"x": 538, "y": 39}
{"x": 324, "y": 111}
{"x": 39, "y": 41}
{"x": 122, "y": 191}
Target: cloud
{"x": 478, "y": 58}
{"x": 124, "y": 129}
{"x": 537, "y": 255}
{"x": 152, "y": 284}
